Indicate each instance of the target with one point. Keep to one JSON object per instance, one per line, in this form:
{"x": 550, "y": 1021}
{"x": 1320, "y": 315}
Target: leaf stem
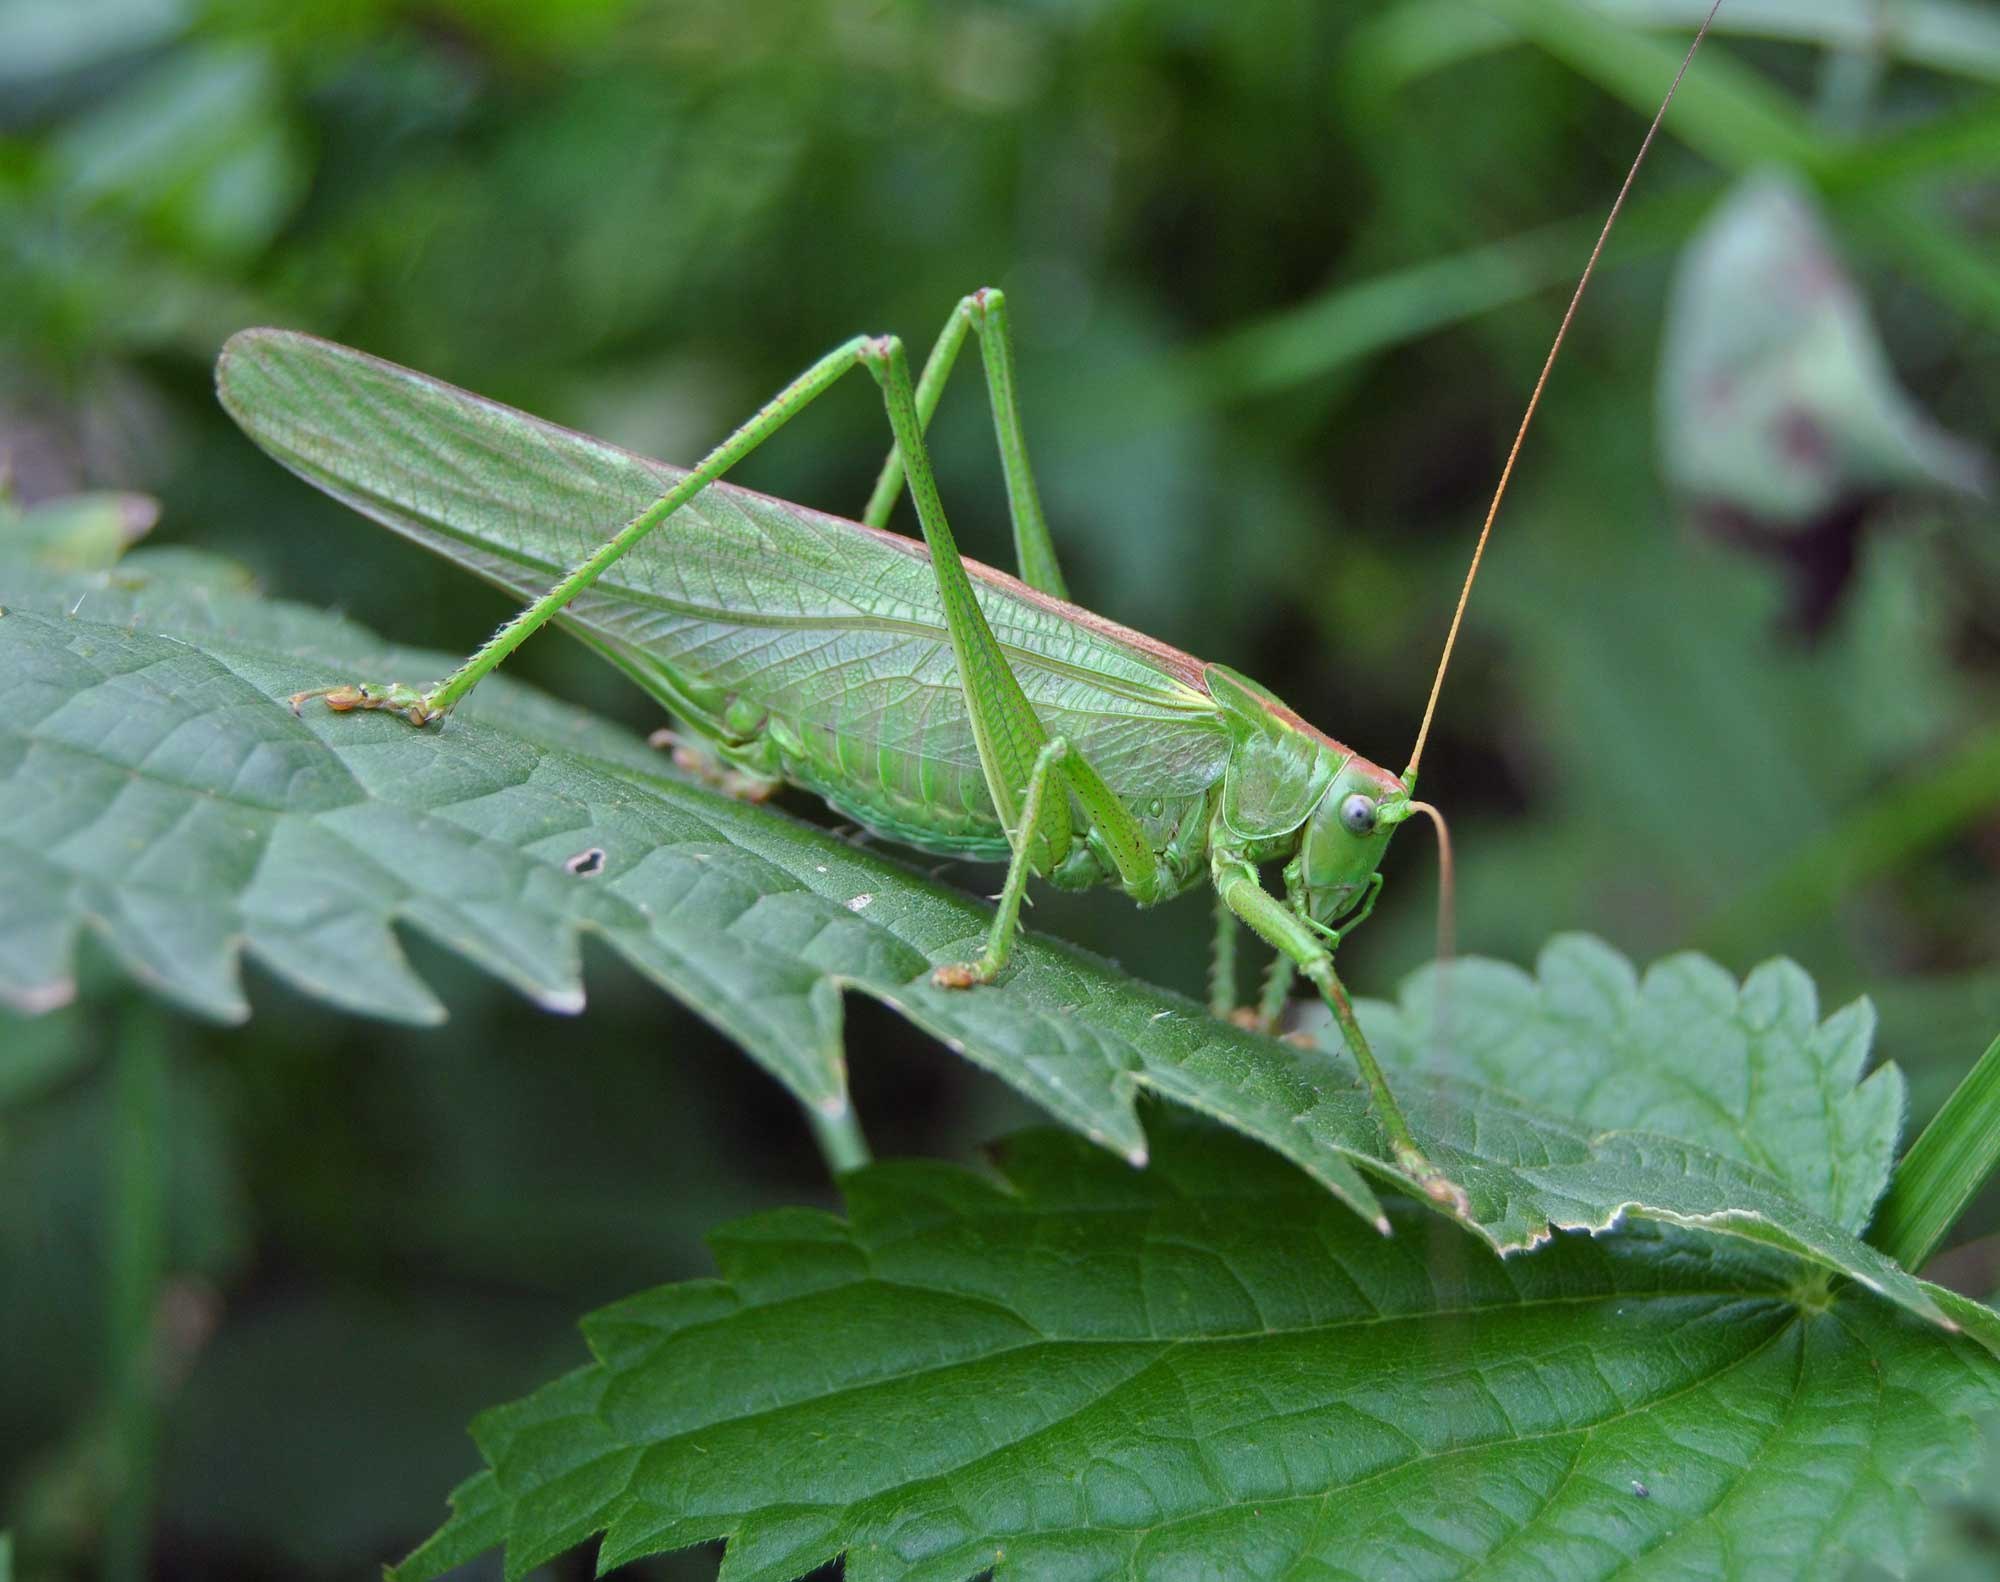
{"x": 838, "y": 1134}
{"x": 1954, "y": 1158}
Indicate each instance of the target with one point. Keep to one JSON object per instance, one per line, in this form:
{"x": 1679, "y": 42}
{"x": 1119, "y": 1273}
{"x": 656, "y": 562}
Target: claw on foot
{"x": 694, "y": 760}
{"x": 961, "y": 975}
{"x": 1251, "y": 1020}
{"x": 410, "y": 702}
{"x": 730, "y": 782}
{"x": 1437, "y": 1186}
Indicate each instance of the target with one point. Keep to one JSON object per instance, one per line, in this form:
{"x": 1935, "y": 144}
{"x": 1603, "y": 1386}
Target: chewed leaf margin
{"x": 1749, "y": 1070}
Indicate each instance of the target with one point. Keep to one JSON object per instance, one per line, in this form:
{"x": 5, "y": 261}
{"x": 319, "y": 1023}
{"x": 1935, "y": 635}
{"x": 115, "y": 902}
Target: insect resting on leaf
{"x": 933, "y": 700}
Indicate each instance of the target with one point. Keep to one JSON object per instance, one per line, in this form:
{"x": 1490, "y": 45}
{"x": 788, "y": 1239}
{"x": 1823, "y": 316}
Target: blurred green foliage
{"x": 1283, "y": 272}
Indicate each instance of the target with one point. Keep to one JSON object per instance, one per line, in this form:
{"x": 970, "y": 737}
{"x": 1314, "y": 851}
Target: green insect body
{"x": 812, "y": 650}
{"x": 820, "y": 652}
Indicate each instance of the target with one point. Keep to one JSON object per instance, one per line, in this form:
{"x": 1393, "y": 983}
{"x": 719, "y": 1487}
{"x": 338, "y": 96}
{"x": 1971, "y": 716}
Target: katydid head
{"x": 1344, "y": 837}
{"x": 1294, "y": 792}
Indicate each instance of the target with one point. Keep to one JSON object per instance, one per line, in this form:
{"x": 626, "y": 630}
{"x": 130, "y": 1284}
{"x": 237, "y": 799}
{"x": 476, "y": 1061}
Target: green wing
{"x": 833, "y": 627}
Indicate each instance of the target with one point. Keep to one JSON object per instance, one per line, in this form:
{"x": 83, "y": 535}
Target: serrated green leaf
{"x": 1748, "y": 1071}
{"x": 155, "y": 787}
{"x": 1208, "y": 1369}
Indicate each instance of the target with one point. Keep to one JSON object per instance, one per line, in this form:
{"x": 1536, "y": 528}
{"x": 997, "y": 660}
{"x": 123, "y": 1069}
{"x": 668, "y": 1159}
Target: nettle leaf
{"x": 1080, "y": 1370}
{"x": 156, "y": 789}
{"x": 1748, "y": 1071}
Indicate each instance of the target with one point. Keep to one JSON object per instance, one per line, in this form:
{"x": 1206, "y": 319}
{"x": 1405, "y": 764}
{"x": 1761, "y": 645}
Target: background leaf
{"x": 1776, "y": 396}
{"x": 1083, "y": 1369}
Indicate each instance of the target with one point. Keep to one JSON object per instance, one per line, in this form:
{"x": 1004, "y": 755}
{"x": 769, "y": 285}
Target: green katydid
{"x": 939, "y": 702}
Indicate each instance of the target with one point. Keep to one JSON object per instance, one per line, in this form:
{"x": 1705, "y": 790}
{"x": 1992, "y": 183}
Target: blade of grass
{"x": 1739, "y": 119}
{"x": 1963, "y": 40}
{"x": 1946, "y": 1168}
{"x": 1368, "y": 316}
{"x": 1945, "y": 35}
{"x": 1958, "y": 271}
{"x": 1724, "y": 110}
{"x": 1966, "y": 140}
{"x": 1887, "y": 831}
{"x": 1356, "y": 319}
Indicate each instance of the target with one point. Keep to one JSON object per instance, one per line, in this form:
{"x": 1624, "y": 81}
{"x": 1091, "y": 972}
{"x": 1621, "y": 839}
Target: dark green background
{"x": 1282, "y": 275}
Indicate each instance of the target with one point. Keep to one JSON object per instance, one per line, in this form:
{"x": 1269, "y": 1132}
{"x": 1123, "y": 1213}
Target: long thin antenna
{"x": 1541, "y": 381}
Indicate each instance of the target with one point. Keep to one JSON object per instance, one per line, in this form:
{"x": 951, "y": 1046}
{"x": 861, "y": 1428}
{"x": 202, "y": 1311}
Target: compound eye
{"x": 1357, "y": 814}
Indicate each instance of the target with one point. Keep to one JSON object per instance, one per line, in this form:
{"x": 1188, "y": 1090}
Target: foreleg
{"x": 1237, "y": 883}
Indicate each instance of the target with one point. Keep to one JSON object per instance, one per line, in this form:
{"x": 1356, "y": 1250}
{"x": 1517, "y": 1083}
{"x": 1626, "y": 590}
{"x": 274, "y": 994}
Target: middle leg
{"x": 1030, "y": 776}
